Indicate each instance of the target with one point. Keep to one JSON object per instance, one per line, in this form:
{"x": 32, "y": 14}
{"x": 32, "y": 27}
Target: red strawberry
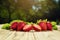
{"x": 36, "y": 27}
{"x": 20, "y": 26}
{"x": 49, "y": 26}
{"x": 27, "y": 27}
{"x": 14, "y": 25}
{"x": 43, "y": 25}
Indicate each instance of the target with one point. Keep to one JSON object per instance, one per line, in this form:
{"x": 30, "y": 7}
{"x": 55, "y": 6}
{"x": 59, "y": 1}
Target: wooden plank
{"x": 1, "y": 31}
{"x": 49, "y": 35}
{"x": 1, "y": 26}
{"x": 30, "y": 36}
{"x": 10, "y": 37}
{"x": 13, "y": 35}
{"x": 4, "y": 34}
{"x": 18, "y": 35}
{"x": 43, "y": 35}
{"x": 24, "y": 37}
{"x": 55, "y": 35}
{"x": 39, "y": 36}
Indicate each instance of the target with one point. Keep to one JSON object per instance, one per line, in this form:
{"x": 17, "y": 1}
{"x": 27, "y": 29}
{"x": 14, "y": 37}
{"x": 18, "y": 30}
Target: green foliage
{"x": 4, "y": 13}
{"x": 14, "y": 16}
{"x": 23, "y": 9}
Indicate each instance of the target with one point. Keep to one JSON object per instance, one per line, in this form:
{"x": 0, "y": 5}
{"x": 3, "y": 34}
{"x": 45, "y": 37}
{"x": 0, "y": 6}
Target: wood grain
{"x": 18, "y": 35}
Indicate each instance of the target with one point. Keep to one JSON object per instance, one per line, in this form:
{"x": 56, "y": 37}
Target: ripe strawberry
{"x": 28, "y": 27}
{"x": 14, "y": 25}
{"x": 36, "y": 27}
{"x": 43, "y": 25}
{"x": 20, "y": 26}
{"x": 49, "y": 26}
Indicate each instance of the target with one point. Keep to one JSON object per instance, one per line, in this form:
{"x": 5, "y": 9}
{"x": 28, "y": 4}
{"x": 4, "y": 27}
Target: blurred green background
{"x": 29, "y": 10}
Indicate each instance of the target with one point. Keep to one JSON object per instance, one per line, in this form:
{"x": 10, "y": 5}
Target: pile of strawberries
{"x": 41, "y": 25}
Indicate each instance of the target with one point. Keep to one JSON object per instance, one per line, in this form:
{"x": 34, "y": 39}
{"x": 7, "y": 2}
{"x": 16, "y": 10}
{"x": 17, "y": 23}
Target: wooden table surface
{"x": 45, "y": 35}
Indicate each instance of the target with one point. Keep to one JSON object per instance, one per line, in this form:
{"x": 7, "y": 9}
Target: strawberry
{"x": 36, "y": 27}
{"x": 43, "y": 25}
{"x": 14, "y": 25}
{"x": 28, "y": 27}
{"x": 20, "y": 26}
{"x": 49, "y": 26}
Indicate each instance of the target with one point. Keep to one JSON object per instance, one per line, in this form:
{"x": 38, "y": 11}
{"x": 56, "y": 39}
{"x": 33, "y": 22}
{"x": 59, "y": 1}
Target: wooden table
{"x": 45, "y": 35}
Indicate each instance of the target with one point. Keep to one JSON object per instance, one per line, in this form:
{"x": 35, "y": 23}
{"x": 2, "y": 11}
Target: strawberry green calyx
{"x": 15, "y": 21}
{"x": 38, "y": 21}
{"x": 6, "y": 26}
{"x": 53, "y": 23}
{"x": 29, "y": 22}
{"x": 45, "y": 20}
{"x": 55, "y": 27}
